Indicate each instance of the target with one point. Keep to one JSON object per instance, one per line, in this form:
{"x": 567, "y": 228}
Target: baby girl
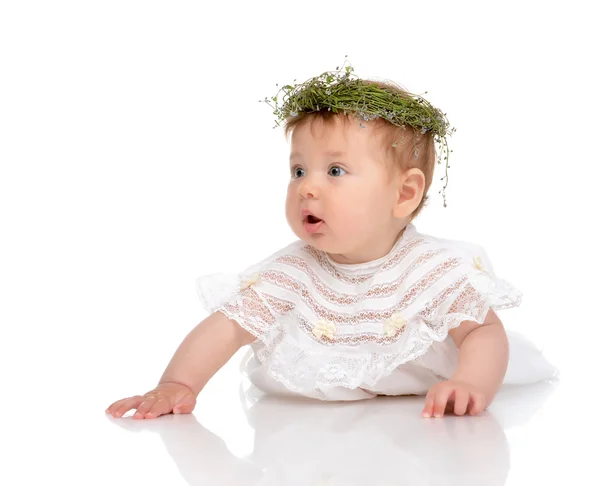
{"x": 362, "y": 304}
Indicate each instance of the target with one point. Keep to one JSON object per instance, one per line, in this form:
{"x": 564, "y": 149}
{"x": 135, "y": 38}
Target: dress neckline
{"x": 373, "y": 264}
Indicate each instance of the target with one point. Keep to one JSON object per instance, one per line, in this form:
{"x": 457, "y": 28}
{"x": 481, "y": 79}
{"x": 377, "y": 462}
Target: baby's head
{"x": 364, "y": 179}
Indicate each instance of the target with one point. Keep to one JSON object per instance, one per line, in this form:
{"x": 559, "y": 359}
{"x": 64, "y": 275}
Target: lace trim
{"x": 376, "y": 291}
{"x": 335, "y": 272}
{"x": 301, "y": 370}
{"x": 353, "y": 357}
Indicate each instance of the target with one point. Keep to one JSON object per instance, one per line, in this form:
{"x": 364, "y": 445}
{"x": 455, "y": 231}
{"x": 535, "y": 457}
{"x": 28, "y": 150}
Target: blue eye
{"x": 338, "y": 169}
{"x": 295, "y": 172}
{"x": 335, "y": 171}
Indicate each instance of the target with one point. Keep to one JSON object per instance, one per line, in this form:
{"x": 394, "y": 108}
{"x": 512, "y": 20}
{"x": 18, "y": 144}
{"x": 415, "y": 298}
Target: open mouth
{"x": 312, "y": 224}
{"x": 312, "y": 219}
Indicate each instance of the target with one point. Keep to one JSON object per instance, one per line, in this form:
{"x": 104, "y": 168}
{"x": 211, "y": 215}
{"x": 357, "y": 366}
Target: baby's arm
{"x": 204, "y": 351}
{"x": 482, "y": 355}
{"x": 482, "y": 363}
{"x": 201, "y": 354}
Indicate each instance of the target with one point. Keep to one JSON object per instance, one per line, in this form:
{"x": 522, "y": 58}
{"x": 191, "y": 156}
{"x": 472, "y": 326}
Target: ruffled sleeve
{"x": 471, "y": 290}
{"x": 241, "y": 297}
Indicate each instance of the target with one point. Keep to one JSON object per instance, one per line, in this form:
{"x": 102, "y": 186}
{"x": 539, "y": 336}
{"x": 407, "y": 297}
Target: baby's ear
{"x": 410, "y": 192}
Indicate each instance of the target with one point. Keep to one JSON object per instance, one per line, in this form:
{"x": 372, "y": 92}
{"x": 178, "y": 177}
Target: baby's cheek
{"x": 293, "y": 217}
{"x": 353, "y": 217}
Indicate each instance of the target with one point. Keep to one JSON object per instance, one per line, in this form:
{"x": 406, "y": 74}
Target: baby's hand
{"x": 165, "y": 398}
{"x": 452, "y": 395}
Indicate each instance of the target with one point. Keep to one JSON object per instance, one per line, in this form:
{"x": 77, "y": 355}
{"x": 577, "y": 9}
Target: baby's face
{"x": 350, "y": 192}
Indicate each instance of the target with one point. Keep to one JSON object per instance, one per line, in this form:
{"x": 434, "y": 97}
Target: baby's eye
{"x": 337, "y": 170}
{"x": 297, "y": 172}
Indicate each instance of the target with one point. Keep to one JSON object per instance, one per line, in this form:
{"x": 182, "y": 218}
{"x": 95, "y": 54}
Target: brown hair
{"x": 397, "y": 158}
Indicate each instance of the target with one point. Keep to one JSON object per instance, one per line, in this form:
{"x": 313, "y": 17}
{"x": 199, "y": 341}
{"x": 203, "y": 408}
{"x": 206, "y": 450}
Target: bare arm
{"x": 483, "y": 354}
{"x": 201, "y": 354}
{"x": 204, "y": 351}
{"x": 482, "y": 364}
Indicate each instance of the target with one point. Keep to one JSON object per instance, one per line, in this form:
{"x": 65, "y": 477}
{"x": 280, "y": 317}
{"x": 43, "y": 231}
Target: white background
{"x": 135, "y": 157}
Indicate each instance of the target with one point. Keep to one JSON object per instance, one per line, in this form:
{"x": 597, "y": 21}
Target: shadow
{"x": 383, "y": 441}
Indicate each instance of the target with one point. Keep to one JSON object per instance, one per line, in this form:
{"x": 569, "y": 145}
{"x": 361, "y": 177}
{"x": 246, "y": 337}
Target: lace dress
{"x": 335, "y": 331}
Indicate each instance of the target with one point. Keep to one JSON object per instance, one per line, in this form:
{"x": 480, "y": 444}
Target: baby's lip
{"x": 306, "y": 213}
{"x": 306, "y": 217}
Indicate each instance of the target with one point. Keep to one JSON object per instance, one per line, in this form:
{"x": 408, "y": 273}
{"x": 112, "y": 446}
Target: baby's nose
{"x": 307, "y": 188}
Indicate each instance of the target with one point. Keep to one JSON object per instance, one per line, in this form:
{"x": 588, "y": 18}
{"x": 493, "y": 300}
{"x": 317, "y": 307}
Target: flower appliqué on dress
{"x": 479, "y": 264}
{"x": 251, "y": 281}
{"x": 394, "y": 324}
{"x": 324, "y": 328}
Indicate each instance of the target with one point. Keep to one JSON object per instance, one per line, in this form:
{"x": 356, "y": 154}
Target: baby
{"x": 362, "y": 304}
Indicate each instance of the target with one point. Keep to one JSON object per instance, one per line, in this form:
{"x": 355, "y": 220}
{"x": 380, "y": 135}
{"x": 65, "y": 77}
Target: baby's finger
{"x": 186, "y": 405}
{"x": 128, "y": 404}
{"x": 160, "y": 407}
{"x": 114, "y": 406}
{"x": 143, "y": 407}
{"x": 429, "y": 401}
{"x": 461, "y": 402}
{"x": 478, "y": 403}
{"x": 441, "y": 398}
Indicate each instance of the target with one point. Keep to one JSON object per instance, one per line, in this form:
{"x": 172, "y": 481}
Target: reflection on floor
{"x": 382, "y": 441}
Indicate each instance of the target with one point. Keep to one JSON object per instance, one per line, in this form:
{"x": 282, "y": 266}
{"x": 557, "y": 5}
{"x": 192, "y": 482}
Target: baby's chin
{"x": 318, "y": 240}
{"x": 322, "y": 242}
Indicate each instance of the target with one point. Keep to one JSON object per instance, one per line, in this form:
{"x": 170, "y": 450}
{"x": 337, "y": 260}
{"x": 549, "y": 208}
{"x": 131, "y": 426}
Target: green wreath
{"x": 341, "y": 91}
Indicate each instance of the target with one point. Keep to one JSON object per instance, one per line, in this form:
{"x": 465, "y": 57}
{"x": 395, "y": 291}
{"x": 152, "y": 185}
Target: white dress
{"x": 348, "y": 332}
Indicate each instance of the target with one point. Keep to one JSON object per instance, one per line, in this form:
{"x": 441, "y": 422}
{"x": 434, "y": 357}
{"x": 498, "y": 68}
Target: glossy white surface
{"x": 530, "y": 434}
{"x": 381, "y": 442}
